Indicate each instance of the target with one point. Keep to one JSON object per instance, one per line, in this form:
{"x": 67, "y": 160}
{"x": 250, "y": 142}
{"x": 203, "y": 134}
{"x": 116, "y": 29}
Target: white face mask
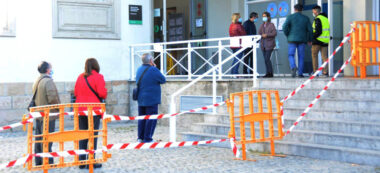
{"x": 314, "y": 15}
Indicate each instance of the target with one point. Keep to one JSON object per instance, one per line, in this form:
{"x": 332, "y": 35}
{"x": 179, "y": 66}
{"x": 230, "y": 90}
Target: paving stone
{"x": 187, "y": 159}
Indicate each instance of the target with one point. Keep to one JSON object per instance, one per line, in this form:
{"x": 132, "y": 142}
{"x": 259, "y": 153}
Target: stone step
{"x": 318, "y": 151}
{"x": 313, "y": 114}
{"x": 304, "y": 136}
{"x": 319, "y": 83}
{"x": 331, "y": 104}
{"x": 345, "y": 94}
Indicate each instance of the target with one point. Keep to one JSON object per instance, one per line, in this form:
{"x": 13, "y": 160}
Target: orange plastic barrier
{"x": 364, "y": 44}
{"x": 61, "y": 136}
{"x": 260, "y": 112}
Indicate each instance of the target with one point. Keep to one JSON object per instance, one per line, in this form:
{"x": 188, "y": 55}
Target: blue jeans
{"x": 235, "y": 69}
{"x": 301, "y": 53}
{"x": 146, "y": 127}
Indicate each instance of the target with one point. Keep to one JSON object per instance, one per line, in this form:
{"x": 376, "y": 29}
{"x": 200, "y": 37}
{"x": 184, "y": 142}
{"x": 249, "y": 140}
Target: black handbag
{"x": 33, "y": 102}
{"x": 135, "y": 94}
{"x": 96, "y": 94}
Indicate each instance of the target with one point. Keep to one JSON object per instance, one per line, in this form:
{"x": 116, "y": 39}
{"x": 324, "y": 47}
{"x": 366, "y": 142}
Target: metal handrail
{"x": 213, "y": 70}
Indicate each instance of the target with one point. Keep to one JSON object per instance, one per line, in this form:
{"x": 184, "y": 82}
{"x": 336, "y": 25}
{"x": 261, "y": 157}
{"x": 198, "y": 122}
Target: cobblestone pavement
{"x": 187, "y": 159}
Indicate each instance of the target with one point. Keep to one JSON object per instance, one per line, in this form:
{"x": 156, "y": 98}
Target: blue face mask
{"x": 265, "y": 19}
{"x": 240, "y": 20}
{"x": 255, "y": 20}
{"x": 51, "y": 73}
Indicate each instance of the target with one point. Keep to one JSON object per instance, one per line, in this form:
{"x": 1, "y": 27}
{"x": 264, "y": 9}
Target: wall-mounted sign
{"x": 135, "y": 14}
{"x": 283, "y": 9}
{"x": 272, "y": 9}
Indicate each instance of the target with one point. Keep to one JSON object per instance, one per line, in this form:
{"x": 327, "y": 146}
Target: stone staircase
{"x": 344, "y": 125}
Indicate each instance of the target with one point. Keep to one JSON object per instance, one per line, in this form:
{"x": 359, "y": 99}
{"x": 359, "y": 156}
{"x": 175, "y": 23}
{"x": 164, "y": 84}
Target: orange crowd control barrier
{"x": 255, "y": 101}
{"x": 364, "y": 44}
{"x": 63, "y": 135}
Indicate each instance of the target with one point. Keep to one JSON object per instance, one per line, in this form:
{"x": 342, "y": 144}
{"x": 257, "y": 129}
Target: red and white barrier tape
{"x": 121, "y": 146}
{"x": 17, "y": 162}
{"x": 320, "y": 68}
{"x": 318, "y": 96}
{"x": 290, "y": 95}
{"x": 160, "y": 116}
{"x": 15, "y": 125}
{"x": 80, "y": 113}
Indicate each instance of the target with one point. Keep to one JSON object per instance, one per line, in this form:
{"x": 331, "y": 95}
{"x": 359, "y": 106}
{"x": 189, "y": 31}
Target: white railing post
{"x": 214, "y": 91}
{"x": 254, "y": 72}
{"x": 162, "y": 60}
{"x": 132, "y": 62}
{"x": 172, "y": 120}
{"x": 220, "y": 50}
{"x": 189, "y": 50}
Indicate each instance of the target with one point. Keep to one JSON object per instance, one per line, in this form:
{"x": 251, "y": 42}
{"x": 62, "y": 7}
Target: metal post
{"x": 189, "y": 50}
{"x": 164, "y": 29}
{"x": 162, "y": 60}
{"x": 255, "y": 73}
{"x": 214, "y": 91}
{"x": 220, "y": 50}
{"x": 331, "y": 20}
{"x": 132, "y": 63}
{"x": 172, "y": 120}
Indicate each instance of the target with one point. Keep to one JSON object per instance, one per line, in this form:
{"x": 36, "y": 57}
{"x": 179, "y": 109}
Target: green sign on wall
{"x": 135, "y": 14}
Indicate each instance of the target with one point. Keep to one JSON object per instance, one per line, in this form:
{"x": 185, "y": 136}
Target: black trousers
{"x": 248, "y": 60}
{"x": 83, "y": 125}
{"x": 268, "y": 63}
{"x": 38, "y": 147}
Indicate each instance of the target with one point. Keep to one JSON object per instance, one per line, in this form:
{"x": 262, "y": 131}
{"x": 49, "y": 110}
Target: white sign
{"x": 274, "y": 21}
{"x": 199, "y": 23}
{"x": 281, "y": 22}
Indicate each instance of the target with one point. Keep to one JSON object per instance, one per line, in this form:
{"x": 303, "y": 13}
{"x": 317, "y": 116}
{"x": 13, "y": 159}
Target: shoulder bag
{"x": 33, "y": 102}
{"x": 135, "y": 94}
{"x": 96, "y": 94}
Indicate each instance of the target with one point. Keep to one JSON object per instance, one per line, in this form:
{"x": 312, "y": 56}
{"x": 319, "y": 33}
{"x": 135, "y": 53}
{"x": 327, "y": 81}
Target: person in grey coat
{"x": 46, "y": 94}
{"x": 268, "y": 43}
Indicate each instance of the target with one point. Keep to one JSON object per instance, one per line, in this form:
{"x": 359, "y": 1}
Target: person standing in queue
{"x": 236, "y": 30}
{"x": 250, "y": 29}
{"x": 90, "y": 87}
{"x": 149, "y": 96}
{"x": 268, "y": 43}
{"x": 45, "y": 93}
{"x": 321, "y": 38}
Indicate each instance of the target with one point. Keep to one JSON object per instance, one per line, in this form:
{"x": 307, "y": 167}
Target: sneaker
{"x": 294, "y": 71}
{"x": 269, "y": 75}
{"x": 139, "y": 140}
{"x": 301, "y": 76}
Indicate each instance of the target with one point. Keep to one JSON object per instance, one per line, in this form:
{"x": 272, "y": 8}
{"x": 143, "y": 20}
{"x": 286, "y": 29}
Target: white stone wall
{"x": 20, "y": 55}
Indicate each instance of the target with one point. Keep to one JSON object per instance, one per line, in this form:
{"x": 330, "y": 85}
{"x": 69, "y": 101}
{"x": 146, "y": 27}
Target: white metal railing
{"x": 215, "y": 69}
{"x": 206, "y": 52}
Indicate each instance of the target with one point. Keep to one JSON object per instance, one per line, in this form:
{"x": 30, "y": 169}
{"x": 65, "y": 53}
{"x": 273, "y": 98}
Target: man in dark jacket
{"x": 149, "y": 96}
{"x": 298, "y": 30}
{"x": 250, "y": 29}
{"x": 321, "y": 38}
{"x": 46, "y": 94}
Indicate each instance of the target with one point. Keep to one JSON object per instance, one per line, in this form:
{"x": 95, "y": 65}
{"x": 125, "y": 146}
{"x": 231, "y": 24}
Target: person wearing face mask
{"x": 298, "y": 30}
{"x": 250, "y": 29}
{"x": 321, "y": 38}
{"x": 236, "y": 30}
{"x": 45, "y": 93}
{"x": 268, "y": 34}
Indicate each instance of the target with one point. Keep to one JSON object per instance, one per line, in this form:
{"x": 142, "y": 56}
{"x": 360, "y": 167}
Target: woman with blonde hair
{"x": 236, "y": 30}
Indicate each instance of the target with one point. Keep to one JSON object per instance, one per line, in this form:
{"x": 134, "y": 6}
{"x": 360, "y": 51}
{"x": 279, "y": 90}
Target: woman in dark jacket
{"x": 84, "y": 94}
{"x": 268, "y": 34}
{"x": 236, "y": 29}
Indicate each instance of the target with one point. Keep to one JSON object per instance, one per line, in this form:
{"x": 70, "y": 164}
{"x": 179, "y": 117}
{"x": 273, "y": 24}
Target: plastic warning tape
{"x": 318, "y": 96}
{"x": 290, "y": 95}
{"x": 80, "y": 113}
{"x": 160, "y": 116}
{"x": 16, "y": 125}
{"x": 121, "y": 146}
